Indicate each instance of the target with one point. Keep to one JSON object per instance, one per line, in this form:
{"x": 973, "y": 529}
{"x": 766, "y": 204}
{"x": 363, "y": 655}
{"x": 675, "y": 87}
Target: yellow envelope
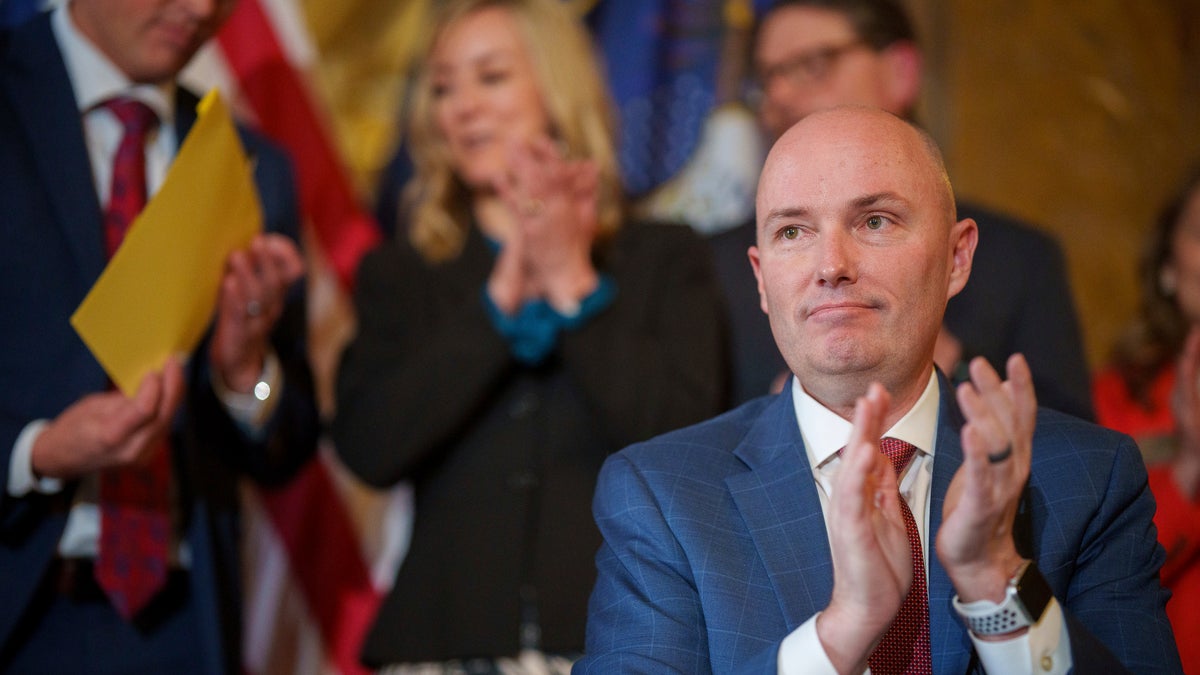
{"x": 157, "y": 295}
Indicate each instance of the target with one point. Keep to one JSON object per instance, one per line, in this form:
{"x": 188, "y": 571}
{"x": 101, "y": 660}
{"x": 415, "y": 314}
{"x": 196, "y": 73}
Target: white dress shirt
{"x": 824, "y": 433}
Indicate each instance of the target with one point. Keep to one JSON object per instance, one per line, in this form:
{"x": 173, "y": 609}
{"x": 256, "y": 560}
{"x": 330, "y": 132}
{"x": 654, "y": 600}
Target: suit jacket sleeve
{"x": 422, "y": 363}
{"x": 291, "y": 433}
{"x": 645, "y": 614}
{"x": 1046, "y": 331}
{"x": 656, "y": 360}
{"x": 1113, "y": 588}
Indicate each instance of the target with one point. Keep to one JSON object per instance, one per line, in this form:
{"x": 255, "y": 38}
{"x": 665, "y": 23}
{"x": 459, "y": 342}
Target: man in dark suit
{"x": 779, "y": 536}
{"x": 812, "y": 54}
{"x": 242, "y": 404}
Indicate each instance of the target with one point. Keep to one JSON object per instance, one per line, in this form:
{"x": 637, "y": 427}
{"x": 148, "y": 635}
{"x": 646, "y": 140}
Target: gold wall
{"x": 1077, "y": 115}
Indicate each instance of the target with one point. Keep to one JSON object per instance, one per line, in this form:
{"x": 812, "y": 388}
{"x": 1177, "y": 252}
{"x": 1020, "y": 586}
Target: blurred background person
{"x": 515, "y": 333}
{"x": 1151, "y": 391}
{"x": 120, "y": 518}
{"x": 814, "y": 54}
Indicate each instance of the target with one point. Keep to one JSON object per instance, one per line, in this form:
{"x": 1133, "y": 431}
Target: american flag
{"x": 320, "y": 552}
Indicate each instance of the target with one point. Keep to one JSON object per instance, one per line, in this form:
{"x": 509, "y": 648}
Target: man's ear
{"x": 755, "y": 263}
{"x": 904, "y": 67}
{"x": 964, "y": 237}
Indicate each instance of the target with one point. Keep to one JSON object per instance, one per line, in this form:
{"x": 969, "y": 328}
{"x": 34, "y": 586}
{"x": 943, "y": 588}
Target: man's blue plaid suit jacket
{"x": 715, "y": 546}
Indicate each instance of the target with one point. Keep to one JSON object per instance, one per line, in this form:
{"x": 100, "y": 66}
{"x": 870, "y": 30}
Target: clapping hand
{"x": 253, "y": 293}
{"x": 554, "y": 203}
{"x": 872, "y": 560}
{"x": 975, "y": 543}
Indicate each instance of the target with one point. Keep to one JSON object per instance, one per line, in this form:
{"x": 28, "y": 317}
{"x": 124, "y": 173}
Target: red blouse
{"x": 1177, "y": 519}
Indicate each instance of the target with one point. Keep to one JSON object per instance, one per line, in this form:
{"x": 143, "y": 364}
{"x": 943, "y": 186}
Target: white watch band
{"x": 984, "y": 617}
{"x": 1025, "y": 600}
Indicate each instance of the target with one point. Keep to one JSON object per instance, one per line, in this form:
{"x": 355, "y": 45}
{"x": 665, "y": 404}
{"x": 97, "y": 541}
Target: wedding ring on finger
{"x": 997, "y": 457}
{"x": 253, "y": 308}
{"x": 531, "y": 208}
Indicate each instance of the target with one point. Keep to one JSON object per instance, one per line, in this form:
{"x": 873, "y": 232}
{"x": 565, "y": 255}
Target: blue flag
{"x": 661, "y": 59}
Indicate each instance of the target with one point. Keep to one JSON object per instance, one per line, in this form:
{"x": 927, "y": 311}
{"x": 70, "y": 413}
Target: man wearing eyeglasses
{"x": 814, "y": 54}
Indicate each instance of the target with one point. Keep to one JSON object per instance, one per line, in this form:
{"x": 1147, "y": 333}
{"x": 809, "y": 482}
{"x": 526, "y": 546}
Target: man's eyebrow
{"x": 785, "y": 213}
{"x": 878, "y": 198}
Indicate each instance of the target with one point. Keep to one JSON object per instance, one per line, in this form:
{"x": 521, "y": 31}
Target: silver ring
{"x": 997, "y": 457}
{"x": 253, "y": 308}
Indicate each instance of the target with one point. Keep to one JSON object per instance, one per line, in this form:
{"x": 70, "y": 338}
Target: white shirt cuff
{"x": 1045, "y": 649}
{"x": 252, "y": 410}
{"x": 21, "y": 480}
{"x": 801, "y": 652}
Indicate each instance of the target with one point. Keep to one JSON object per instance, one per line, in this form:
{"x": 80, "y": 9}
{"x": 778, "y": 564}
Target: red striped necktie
{"x": 135, "y": 513}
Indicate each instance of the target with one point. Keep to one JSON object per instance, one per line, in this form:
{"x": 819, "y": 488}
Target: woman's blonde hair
{"x": 577, "y": 104}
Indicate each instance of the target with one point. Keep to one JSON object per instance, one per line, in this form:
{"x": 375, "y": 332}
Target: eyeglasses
{"x": 807, "y": 67}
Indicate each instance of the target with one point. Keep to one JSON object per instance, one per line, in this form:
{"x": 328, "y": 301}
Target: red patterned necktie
{"x": 905, "y": 646}
{"x": 135, "y": 515}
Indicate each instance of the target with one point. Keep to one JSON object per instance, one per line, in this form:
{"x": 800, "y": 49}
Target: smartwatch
{"x": 1025, "y": 600}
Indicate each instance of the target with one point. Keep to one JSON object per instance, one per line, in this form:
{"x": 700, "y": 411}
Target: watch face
{"x": 1033, "y": 593}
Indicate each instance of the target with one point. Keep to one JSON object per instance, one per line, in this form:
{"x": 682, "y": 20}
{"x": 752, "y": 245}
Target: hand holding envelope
{"x": 252, "y": 297}
{"x": 196, "y": 241}
{"x": 196, "y": 247}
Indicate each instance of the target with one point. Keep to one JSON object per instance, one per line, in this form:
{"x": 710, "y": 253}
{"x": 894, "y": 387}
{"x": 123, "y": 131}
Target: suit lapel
{"x": 949, "y": 642}
{"x": 778, "y": 501}
{"x": 41, "y": 94}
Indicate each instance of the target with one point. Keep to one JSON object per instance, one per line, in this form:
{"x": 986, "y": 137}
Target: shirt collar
{"x": 824, "y": 432}
{"x": 95, "y": 78}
